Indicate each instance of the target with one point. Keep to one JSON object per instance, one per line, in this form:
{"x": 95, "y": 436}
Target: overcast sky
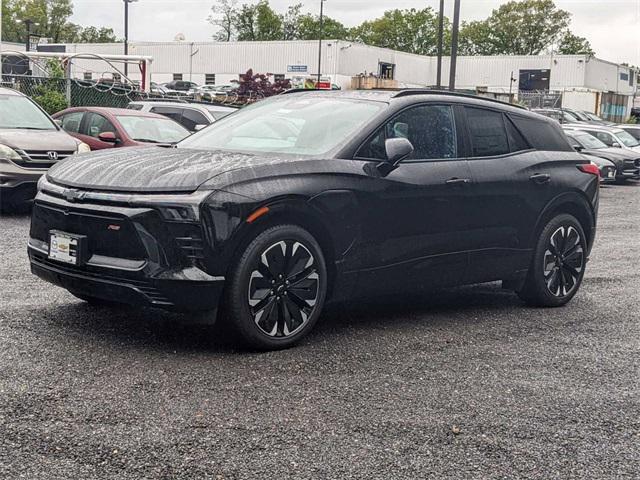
{"x": 612, "y": 26}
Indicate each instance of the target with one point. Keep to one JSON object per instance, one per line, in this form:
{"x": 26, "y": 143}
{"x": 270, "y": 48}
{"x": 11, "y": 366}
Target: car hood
{"x": 57, "y": 140}
{"x": 612, "y": 153}
{"x": 152, "y": 169}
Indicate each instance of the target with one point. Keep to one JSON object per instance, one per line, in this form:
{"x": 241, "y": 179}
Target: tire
{"x": 276, "y": 289}
{"x": 558, "y": 264}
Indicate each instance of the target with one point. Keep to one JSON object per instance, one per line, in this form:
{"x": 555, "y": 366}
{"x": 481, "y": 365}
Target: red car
{"x": 102, "y": 127}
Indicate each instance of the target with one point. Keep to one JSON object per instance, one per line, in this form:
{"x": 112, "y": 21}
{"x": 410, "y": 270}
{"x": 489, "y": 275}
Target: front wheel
{"x": 276, "y": 289}
{"x": 558, "y": 265}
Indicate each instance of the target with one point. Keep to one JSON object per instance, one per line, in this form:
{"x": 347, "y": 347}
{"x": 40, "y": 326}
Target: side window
{"x": 97, "y": 124}
{"x": 488, "y": 133}
{"x": 541, "y": 134}
{"x": 574, "y": 143}
{"x": 171, "y": 112}
{"x": 71, "y": 122}
{"x": 604, "y": 137}
{"x": 516, "y": 141}
{"x": 430, "y": 129}
{"x": 191, "y": 118}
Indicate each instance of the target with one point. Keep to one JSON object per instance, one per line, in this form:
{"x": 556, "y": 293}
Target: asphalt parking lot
{"x": 463, "y": 384}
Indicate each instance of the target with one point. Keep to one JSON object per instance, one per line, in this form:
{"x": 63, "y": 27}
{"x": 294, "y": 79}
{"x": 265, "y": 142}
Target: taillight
{"x": 591, "y": 168}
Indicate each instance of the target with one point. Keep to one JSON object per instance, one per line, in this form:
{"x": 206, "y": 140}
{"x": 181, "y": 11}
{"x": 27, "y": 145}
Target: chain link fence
{"x": 55, "y": 94}
{"x": 540, "y": 99}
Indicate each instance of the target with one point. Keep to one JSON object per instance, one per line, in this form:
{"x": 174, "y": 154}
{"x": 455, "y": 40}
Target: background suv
{"x": 308, "y": 196}
{"x": 30, "y": 142}
{"x": 192, "y": 116}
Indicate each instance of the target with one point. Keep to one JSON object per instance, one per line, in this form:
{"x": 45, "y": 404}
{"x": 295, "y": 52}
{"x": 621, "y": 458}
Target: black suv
{"x": 309, "y": 196}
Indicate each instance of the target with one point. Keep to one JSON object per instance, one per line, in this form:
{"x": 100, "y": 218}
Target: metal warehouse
{"x": 576, "y": 81}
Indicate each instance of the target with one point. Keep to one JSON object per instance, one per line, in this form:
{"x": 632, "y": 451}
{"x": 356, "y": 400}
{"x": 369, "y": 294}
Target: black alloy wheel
{"x": 276, "y": 289}
{"x": 558, "y": 263}
{"x": 563, "y": 261}
{"x": 283, "y": 288}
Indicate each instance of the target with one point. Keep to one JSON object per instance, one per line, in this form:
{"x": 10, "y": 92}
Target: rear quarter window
{"x": 541, "y": 134}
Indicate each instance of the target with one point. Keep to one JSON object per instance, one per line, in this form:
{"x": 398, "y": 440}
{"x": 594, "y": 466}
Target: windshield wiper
{"x": 147, "y": 140}
{"x": 32, "y": 128}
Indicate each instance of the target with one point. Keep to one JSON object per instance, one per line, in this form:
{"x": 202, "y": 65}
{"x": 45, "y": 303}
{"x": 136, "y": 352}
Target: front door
{"x": 415, "y": 228}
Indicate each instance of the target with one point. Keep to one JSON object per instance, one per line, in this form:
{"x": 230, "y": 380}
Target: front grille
{"x": 189, "y": 240}
{"x": 41, "y": 158}
{"x": 108, "y": 234}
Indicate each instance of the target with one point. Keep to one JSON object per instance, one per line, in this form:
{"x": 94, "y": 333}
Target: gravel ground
{"x": 465, "y": 384}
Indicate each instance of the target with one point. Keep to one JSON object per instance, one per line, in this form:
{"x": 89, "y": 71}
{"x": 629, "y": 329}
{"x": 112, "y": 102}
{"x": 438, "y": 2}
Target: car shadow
{"x": 160, "y": 330}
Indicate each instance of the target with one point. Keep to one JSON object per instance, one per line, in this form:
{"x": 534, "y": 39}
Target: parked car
{"x": 102, "y": 127}
{"x": 180, "y": 85}
{"x": 30, "y": 142}
{"x": 314, "y": 195}
{"x": 559, "y": 115}
{"x": 627, "y": 163}
{"x": 593, "y": 118}
{"x": 611, "y": 136}
{"x": 193, "y": 116}
{"x": 607, "y": 168}
{"x": 633, "y": 130}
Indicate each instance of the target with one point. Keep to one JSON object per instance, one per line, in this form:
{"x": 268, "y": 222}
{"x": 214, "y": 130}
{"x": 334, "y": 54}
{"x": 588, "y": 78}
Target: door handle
{"x": 457, "y": 181}
{"x": 540, "y": 178}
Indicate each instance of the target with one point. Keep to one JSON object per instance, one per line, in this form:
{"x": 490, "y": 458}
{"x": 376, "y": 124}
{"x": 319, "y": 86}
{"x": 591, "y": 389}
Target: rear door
{"x": 512, "y": 182}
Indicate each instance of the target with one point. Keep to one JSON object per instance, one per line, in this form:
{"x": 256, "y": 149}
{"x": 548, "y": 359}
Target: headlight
{"x": 83, "y": 148}
{"x": 42, "y": 181}
{"x": 8, "y": 153}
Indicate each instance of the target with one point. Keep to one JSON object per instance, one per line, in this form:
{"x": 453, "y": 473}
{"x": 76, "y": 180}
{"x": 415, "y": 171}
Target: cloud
{"x": 612, "y": 26}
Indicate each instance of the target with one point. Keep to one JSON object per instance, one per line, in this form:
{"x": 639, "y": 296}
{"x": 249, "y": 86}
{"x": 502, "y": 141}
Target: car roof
{"x": 122, "y": 112}
{"x": 391, "y": 96}
{"x": 11, "y": 91}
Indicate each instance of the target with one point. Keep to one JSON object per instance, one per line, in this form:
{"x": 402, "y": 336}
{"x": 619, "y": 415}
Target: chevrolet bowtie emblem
{"x": 72, "y": 195}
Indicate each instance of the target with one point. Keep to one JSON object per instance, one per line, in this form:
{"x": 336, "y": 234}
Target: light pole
{"x": 440, "y": 42}
{"x": 454, "y": 45}
{"x": 126, "y": 34}
{"x": 320, "y": 43}
{"x": 27, "y": 23}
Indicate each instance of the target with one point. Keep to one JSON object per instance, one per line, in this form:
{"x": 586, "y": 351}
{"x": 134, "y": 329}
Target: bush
{"x": 52, "y": 101}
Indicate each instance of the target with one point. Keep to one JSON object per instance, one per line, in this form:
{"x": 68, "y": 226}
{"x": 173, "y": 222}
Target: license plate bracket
{"x": 68, "y": 248}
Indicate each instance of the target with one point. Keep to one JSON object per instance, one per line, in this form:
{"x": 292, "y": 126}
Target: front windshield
{"x": 152, "y": 130}
{"x": 626, "y": 138}
{"x": 570, "y": 117}
{"x": 298, "y": 125}
{"x": 19, "y": 112}
{"x": 588, "y": 141}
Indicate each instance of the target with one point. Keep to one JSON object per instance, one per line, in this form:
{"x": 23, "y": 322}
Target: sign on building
{"x": 297, "y": 68}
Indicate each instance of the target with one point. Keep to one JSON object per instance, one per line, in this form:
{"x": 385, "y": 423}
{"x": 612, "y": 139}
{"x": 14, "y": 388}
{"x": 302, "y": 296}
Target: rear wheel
{"x": 276, "y": 289}
{"x": 558, "y": 265}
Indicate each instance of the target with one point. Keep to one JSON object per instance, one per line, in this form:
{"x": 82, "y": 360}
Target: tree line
{"x": 52, "y": 19}
{"x": 527, "y": 27}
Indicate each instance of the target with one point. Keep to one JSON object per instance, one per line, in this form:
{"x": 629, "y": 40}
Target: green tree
{"x": 571, "y": 44}
{"x": 412, "y": 30}
{"x": 223, "y": 16}
{"x": 526, "y": 27}
{"x": 258, "y": 22}
{"x": 309, "y": 28}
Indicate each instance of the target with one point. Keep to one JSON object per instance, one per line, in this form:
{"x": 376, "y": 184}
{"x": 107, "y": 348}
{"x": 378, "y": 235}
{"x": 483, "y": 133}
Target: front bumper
{"x": 18, "y": 184}
{"x": 134, "y": 256}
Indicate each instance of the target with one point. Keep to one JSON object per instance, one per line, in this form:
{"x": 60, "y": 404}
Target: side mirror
{"x": 616, "y": 145}
{"x": 58, "y": 122}
{"x": 200, "y": 127}
{"x": 578, "y": 148}
{"x": 397, "y": 149}
{"x": 108, "y": 137}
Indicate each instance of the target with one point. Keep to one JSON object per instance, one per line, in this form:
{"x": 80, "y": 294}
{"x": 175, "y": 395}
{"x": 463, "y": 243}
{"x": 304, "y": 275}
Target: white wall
{"x": 580, "y": 100}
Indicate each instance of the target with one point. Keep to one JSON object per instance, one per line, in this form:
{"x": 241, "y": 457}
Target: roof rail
{"x": 428, "y": 91}
{"x": 163, "y": 99}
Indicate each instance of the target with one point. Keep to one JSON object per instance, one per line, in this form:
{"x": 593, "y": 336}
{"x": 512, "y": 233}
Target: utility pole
{"x": 320, "y": 43}
{"x": 126, "y": 34}
{"x": 27, "y": 23}
{"x": 440, "y": 43}
{"x": 454, "y": 45}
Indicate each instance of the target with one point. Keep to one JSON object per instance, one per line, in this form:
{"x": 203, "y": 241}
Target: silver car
{"x": 613, "y": 136}
{"x": 30, "y": 143}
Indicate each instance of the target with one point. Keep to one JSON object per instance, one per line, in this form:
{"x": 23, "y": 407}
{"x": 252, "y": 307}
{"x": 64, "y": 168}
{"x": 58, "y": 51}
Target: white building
{"x": 586, "y": 83}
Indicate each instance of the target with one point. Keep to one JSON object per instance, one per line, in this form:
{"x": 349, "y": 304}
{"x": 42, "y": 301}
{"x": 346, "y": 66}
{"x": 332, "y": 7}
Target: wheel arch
{"x": 573, "y": 204}
{"x": 295, "y": 211}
